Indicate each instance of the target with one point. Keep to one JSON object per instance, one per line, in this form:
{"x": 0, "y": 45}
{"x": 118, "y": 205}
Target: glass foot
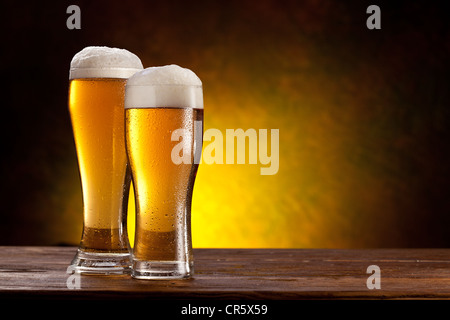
{"x": 161, "y": 270}
{"x": 101, "y": 263}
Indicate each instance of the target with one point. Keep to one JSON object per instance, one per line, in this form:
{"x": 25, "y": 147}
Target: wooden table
{"x": 41, "y": 272}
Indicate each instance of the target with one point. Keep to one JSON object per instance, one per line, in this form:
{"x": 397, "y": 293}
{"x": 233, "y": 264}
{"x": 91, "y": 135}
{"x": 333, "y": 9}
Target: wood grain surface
{"x": 41, "y": 272}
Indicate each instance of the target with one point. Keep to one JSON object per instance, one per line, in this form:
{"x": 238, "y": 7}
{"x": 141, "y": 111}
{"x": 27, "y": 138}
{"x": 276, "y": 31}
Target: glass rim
{"x": 166, "y": 85}
{"x": 102, "y": 72}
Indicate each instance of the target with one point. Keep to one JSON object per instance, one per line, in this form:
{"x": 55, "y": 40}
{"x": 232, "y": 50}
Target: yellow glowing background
{"x": 363, "y": 118}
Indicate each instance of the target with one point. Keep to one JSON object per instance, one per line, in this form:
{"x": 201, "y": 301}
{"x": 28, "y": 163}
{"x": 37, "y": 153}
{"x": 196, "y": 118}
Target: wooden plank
{"x": 41, "y": 272}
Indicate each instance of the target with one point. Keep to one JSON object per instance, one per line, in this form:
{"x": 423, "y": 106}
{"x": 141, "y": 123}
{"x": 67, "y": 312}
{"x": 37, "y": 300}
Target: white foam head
{"x": 164, "y": 87}
{"x": 104, "y": 62}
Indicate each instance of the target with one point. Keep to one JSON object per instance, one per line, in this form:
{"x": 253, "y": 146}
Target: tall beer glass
{"x": 96, "y": 105}
{"x": 164, "y": 130}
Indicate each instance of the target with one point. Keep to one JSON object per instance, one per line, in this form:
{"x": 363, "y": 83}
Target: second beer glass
{"x": 96, "y": 97}
{"x": 163, "y": 131}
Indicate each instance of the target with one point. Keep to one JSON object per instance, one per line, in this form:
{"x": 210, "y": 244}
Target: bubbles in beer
{"x": 165, "y": 75}
{"x": 168, "y": 86}
{"x": 104, "y": 62}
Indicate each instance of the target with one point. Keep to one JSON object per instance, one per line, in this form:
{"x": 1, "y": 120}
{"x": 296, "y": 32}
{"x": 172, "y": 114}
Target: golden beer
{"x": 96, "y": 110}
{"x": 163, "y": 130}
{"x": 164, "y": 189}
{"x": 96, "y": 106}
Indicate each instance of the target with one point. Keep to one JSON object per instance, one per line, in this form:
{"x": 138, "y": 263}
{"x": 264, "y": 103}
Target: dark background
{"x": 385, "y": 96}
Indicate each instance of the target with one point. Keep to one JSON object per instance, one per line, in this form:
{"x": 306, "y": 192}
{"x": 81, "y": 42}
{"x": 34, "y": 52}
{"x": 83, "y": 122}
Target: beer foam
{"x": 168, "y": 86}
{"x": 104, "y": 62}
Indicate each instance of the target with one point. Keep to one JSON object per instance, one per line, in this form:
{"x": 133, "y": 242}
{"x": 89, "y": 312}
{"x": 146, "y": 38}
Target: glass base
{"x": 162, "y": 270}
{"x": 101, "y": 263}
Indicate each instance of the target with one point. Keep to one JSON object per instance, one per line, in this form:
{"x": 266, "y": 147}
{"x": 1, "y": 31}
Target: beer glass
{"x": 96, "y": 105}
{"x": 163, "y": 133}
